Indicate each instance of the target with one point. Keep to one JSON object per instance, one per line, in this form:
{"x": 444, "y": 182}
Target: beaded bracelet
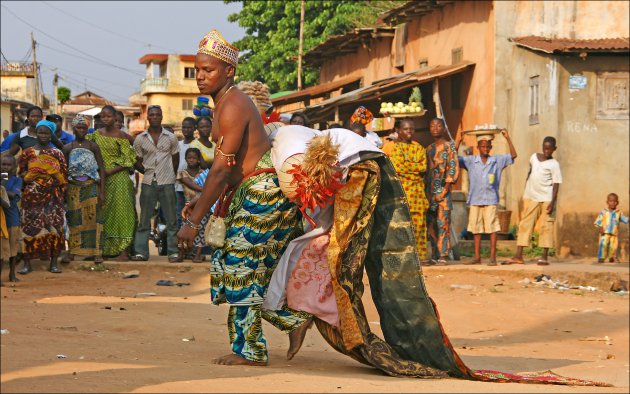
{"x": 191, "y": 224}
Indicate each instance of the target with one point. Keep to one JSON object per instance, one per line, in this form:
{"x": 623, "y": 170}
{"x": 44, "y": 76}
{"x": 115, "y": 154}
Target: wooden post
{"x": 299, "y": 70}
{"x": 36, "y": 70}
{"x": 436, "y": 99}
{"x": 55, "y": 94}
{"x": 337, "y": 114}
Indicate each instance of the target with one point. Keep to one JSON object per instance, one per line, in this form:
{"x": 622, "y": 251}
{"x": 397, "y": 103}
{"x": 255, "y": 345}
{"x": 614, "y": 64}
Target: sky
{"x": 98, "y": 43}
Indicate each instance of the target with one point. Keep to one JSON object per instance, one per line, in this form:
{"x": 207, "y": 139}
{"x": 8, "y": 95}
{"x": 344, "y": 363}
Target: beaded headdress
{"x": 214, "y": 44}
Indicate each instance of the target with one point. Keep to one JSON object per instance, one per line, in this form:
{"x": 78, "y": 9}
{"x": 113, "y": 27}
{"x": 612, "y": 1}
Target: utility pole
{"x": 299, "y": 70}
{"x": 36, "y": 70}
{"x": 55, "y": 94}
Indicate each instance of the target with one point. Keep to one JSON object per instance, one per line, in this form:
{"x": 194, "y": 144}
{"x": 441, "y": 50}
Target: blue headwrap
{"x": 51, "y": 125}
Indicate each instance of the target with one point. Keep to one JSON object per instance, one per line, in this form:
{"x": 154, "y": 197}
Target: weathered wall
{"x": 588, "y": 148}
{"x": 469, "y": 25}
{"x": 371, "y": 64}
{"x": 175, "y": 74}
{"x": 171, "y": 104}
{"x": 5, "y": 116}
{"x": 18, "y": 88}
{"x": 595, "y": 153}
{"x": 465, "y": 24}
{"x": 570, "y": 19}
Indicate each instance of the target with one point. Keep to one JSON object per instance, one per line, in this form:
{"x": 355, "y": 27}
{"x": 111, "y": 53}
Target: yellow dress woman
{"x": 409, "y": 159}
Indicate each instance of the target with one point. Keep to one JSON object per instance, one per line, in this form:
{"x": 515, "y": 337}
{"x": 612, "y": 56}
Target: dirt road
{"x": 117, "y": 340}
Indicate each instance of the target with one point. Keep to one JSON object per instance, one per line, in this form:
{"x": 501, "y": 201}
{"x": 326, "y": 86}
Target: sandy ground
{"x": 115, "y": 340}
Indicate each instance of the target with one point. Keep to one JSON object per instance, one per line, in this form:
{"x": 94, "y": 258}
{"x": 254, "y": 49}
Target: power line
{"x": 83, "y": 84}
{"x": 106, "y": 30}
{"x": 4, "y": 57}
{"x": 73, "y": 55}
{"x": 91, "y": 77}
{"x": 69, "y": 46}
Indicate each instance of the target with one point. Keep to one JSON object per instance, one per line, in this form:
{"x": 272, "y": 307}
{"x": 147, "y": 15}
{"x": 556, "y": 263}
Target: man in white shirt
{"x": 539, "y": 198}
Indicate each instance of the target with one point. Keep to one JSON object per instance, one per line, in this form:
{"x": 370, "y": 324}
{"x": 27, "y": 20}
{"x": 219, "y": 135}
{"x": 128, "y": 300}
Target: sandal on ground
{"x": 427, "y": 263}
{"x": 542, "y": 262}
{"x": 512, "y": 261}
{"x": 98, "y": 260}
{"x": 54, "y": 270}
{"x": 138, "y": 257}
{"x": 492, "y": 263}
{"x": 25, "y": 270}
{"x": 440, "y": 262}
{"x": 175, "y": 258}
{"x": 471, "y": 262}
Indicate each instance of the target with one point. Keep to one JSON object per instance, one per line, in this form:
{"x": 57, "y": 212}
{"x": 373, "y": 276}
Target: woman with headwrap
{"x": 358, "y": 124}
{"x": 43, "y": 170}
{"x": 410, "y": 161}
{"x": 85, "y": 194}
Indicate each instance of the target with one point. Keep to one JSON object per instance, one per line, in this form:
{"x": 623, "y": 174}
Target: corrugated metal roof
{"x": 313, "y": 91}
{"x": 335, "y": 46}
{"x": 559, "y": 45}
{"x": 411, "y": 10}
{"x": 384, "y": 87}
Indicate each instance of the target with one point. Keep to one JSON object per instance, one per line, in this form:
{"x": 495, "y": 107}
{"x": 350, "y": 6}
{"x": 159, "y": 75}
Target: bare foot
{"x": 13, "y": 278}
{"x": 123, "y": 257}
{"x": 296, "y": 337}
{"x": 233, "y": 359}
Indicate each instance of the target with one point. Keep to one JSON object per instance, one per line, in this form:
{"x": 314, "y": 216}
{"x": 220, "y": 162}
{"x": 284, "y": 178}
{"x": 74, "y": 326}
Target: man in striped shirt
{"x": 158, "y": 159}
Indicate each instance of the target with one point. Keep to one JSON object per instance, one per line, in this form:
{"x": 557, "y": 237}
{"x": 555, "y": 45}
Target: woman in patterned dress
{"x": 409, "y": 159}
{"x": 119, "y": 212}
{"x": 43, "y": 170}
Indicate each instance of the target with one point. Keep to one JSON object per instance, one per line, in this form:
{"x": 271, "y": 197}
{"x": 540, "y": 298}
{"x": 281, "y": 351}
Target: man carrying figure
{"x": 260, "y": 220}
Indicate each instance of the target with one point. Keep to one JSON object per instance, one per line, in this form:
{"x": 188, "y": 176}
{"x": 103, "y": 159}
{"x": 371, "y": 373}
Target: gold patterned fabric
{"x": 350, "y": 235}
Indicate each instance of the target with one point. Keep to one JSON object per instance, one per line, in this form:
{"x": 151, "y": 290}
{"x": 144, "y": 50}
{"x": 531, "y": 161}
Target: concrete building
{"x": 556, "y": 68}
{"x": 17, "y": 81}
{"x": 170, "y": 83}
{"x": 90, "y": 104}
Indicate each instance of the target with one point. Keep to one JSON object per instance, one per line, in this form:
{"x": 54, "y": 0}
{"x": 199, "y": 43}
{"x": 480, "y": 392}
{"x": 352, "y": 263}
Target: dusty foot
{"x": 233, "y": 359}
{"x": 471, "y": 262}
{"x": 296, "y": 337}
{"x": 13, "y": 278}
{"x": 122, "y": 257}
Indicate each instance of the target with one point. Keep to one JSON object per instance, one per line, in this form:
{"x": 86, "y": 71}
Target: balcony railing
{"x": 153, "y": 85}
{"x": 17, "y": 68}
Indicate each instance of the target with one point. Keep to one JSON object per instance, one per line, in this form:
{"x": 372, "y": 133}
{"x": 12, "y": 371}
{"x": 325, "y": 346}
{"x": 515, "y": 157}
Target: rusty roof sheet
{"x": 411, "y": 10}
{"x": 89, "y": 98}
{"x": 384, "y": 87}
{"x": 564, "y": 45}
{"x": 313, "y": 91}
{"x": 335, "y": 46}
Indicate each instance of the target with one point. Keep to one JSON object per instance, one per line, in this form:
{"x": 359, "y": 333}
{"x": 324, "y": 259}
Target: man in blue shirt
{"x": 64, "y": 137}
{"x": 484, "y": 175}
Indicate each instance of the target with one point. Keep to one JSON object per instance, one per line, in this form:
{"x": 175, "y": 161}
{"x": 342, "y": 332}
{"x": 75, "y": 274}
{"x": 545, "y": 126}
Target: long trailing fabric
{"x": 410, "y": 162}
{"x": 119, "y": 213}
{"x": 42, "y": 208}
{"x": 373, "y": 229}
{"x": 84, "y": 218}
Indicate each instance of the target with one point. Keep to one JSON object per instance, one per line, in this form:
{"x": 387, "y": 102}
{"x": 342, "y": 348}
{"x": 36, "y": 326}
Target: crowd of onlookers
{"x": 74, "y": 194}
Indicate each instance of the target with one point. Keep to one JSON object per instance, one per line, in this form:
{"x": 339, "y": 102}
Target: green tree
{"x": 270, "y": 47}
{"x": 63, "y": 94}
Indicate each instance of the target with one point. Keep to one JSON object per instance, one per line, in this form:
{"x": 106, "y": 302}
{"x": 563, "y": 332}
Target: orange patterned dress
{"x": 410, "y": 162}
